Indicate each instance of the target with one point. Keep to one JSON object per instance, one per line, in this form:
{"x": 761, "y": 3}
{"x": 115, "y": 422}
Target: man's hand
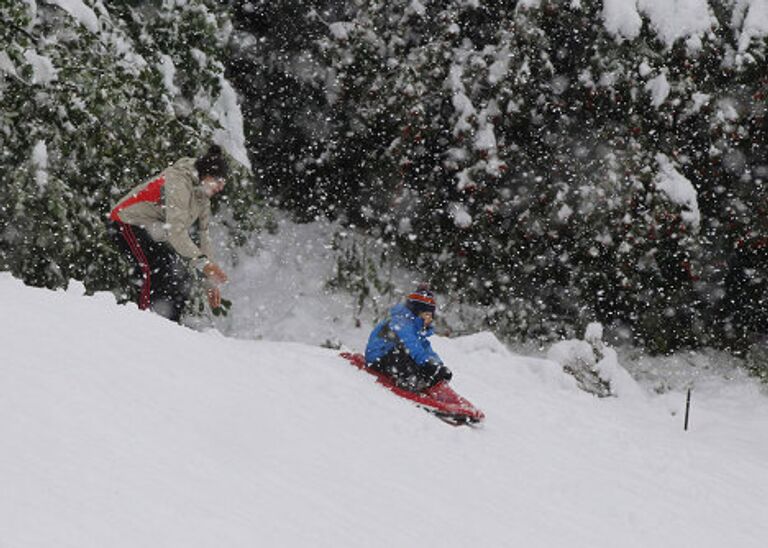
{"x": 214, "y": 297}
{"x": 214, "y": 273}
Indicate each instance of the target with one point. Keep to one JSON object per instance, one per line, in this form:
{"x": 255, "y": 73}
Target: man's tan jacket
{"x": 167, "y": 206}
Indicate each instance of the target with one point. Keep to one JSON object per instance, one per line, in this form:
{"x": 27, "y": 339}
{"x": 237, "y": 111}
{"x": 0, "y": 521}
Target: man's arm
{"x": 203, "y": 230}
{"x": 177, "y": 200}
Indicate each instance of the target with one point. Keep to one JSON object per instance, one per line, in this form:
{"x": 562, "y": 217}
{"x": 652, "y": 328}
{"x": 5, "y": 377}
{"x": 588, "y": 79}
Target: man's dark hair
{"x": 212, "y": 163}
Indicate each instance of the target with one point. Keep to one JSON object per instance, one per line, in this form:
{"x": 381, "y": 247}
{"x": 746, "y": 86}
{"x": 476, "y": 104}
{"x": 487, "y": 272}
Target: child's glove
{"x": 436, "y": 371}
{"x": 443, "y": 374}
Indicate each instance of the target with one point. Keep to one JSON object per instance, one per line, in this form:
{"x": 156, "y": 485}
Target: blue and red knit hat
{"x": 422, "y": 300}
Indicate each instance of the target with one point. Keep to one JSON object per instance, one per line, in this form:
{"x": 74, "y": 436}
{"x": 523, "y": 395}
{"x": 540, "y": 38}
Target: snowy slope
{"x": 120, "y": 429}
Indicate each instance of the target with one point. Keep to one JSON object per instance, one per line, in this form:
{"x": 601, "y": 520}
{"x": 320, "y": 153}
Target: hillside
{"x": 121, "y": 429}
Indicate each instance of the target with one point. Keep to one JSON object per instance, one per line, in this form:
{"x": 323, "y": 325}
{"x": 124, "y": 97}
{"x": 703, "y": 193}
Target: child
{"x": 398, "y": 345}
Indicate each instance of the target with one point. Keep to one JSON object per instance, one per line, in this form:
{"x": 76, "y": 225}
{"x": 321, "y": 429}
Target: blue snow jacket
{"x": 401, "y": 326}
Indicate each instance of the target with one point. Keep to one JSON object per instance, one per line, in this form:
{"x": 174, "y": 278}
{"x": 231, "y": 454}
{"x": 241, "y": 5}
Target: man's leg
{"x": 133, "y": 242}
{"x": 165, "y": 279}
{"x": 171, "y": 281}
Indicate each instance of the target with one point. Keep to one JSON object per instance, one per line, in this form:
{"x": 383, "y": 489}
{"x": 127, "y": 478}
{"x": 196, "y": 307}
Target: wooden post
{"x": 687, "y": 408}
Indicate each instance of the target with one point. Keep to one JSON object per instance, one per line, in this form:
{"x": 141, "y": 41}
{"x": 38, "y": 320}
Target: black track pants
{"x": 164, "y": 276}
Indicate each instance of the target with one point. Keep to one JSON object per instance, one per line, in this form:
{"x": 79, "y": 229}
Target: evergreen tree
{"x": 91, "y": 107}
{"x": 276, "y": 69}
{"x": 530, "y": 159}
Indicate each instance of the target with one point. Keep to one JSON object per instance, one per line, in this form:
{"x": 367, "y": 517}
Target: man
{"x": 151, "y": 226}
{"x": 398, "y": 346}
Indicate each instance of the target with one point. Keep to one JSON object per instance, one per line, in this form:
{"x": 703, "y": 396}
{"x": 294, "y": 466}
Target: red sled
{"x": 440, "y": 400}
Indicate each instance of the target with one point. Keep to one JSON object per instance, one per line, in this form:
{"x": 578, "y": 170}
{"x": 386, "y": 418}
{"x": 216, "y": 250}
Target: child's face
{"x": 427, "y": 317}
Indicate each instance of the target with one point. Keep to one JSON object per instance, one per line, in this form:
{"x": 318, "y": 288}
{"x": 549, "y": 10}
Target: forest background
{"x": 550, "y": 163}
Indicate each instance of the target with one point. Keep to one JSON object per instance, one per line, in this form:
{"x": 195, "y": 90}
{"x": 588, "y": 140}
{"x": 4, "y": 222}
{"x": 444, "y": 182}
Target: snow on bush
{"x": 594, "y": 365}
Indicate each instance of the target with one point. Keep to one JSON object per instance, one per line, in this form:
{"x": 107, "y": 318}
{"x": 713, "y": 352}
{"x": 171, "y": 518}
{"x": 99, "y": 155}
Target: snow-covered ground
{"x": 120, "y": 429}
